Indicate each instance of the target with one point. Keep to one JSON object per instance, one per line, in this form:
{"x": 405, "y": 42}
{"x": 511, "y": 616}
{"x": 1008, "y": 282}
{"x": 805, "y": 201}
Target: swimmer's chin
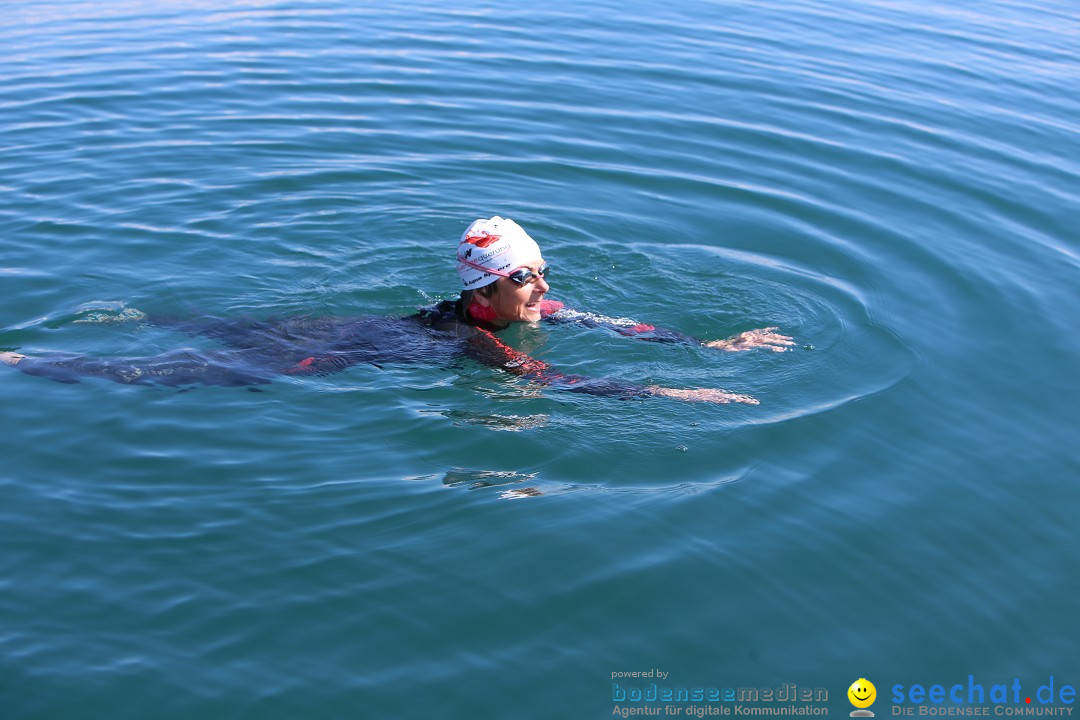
{"x": 531, "y": 314}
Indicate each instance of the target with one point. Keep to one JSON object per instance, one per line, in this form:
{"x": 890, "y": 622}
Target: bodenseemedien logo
{"x": 862, "y": 695}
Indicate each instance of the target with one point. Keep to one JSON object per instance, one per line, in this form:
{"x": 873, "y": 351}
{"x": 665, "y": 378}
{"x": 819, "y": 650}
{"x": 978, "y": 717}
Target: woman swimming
{"x": 505, "y": 281}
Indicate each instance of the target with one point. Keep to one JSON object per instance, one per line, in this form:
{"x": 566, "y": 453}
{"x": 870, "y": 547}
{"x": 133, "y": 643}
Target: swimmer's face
{"x": 862, "y": 693}
{"x": 519, "y": 303}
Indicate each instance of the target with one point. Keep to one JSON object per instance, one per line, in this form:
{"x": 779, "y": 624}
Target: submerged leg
{"x": 172, "y": 369}
{"x": 234, "y": 332}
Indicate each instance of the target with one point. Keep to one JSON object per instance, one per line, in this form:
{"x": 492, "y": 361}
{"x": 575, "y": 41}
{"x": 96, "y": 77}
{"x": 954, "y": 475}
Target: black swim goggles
{"x": 521, "y": 276}
{"x": 524, "y": 275}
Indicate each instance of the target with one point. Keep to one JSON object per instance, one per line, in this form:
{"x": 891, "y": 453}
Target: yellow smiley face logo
{"x": 862, "y": 693}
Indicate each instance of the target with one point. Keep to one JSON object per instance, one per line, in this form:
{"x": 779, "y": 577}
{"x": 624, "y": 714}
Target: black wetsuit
{"x": 257, "y": 351}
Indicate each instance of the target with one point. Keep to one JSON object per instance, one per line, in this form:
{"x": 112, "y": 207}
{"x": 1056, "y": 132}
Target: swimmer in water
{"x": 505, "y": 281}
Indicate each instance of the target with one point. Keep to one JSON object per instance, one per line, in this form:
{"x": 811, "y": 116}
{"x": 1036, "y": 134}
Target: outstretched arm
{"x": 554, "y": 311}
{"x": 488, "y": 349}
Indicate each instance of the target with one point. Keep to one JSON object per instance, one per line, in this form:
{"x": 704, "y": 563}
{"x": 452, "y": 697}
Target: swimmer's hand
{"x": 702, "y": 395}
{"x": 763, "y": 338}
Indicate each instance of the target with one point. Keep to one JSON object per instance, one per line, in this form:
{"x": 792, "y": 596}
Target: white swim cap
{"x": 490, "y": 249}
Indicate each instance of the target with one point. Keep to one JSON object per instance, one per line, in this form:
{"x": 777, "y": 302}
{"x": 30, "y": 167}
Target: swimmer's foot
{"x": 11, "y": 358}
{"x": 109, "y": 313}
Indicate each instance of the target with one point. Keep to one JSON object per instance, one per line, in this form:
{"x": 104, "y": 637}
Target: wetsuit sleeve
{"x": 488, "y": 349}
{"x": 554, "y": 311}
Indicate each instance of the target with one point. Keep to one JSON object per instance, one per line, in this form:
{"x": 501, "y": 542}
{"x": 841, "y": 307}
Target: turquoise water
{"x": 893, "y": 184}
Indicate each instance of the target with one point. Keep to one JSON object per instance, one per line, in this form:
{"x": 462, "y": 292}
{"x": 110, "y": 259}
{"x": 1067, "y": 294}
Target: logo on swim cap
{"x": 482, "y": 240}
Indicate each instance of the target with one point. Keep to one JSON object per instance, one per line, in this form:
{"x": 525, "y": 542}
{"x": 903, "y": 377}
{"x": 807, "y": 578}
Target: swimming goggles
{"x": 521, "y": 276}
{"x": 524, "y": 275}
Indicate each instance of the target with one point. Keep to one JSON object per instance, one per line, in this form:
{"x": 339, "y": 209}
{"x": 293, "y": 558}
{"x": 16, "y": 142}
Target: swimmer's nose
{"x": 541, "y": 285}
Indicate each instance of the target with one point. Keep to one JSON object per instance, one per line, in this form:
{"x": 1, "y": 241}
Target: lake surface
{"x": 894, "y": 184}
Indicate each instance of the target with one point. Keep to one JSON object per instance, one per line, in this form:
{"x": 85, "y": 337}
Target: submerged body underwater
{"x": 256, "y": 351}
